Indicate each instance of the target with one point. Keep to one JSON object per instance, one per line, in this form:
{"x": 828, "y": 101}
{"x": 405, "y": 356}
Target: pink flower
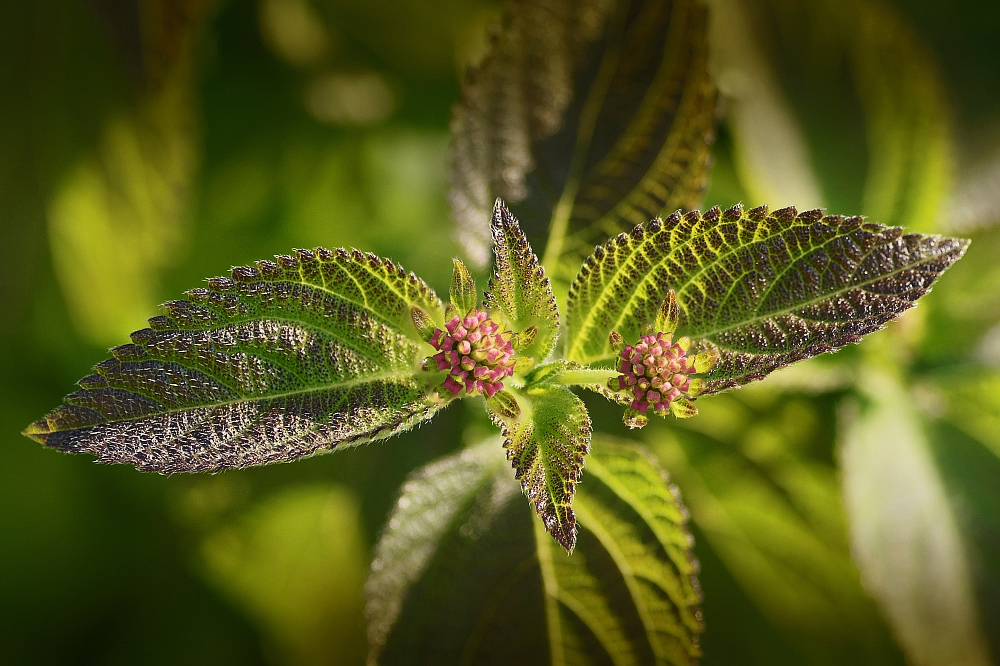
{"x": 656, "y": 373}
{"x": 476, "y": 352}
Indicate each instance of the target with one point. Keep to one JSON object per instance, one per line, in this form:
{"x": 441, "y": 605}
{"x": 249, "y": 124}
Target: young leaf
{"x": 546, "y": 444}
{"x": 519, "y": 288}
{"x": 588, "y": 117}
{"x": 465, "y": 574}
{"x": 280, "y": 361}
{"x": 463, "y": 289}
{"x": 765, "y": 290}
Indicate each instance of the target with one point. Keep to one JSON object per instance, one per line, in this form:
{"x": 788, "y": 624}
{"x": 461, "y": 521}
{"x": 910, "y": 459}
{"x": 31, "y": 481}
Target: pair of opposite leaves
{"x": 293, "y": 357}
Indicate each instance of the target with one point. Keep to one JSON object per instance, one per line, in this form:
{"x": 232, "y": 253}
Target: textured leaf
{"x": 546, "y": 445}
{"x": 766, "y": 290}
{"x": 462, "y": 576}
{"x": 905, "y": 536}
{"x": 587, "y": 118}
{"x": 519, "y": 288}
{"x": 280, "y": 361}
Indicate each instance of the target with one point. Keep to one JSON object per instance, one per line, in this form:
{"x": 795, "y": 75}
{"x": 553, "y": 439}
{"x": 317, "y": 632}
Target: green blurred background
{"x": 148, "y": 144}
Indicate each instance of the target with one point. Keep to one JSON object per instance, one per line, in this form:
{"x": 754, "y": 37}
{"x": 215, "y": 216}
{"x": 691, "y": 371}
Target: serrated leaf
{"x": 765, "y": 290}
{"x": 465, "y": 574}
{"x": 280, "y": 361}
{"x": 587, "y": 118}
{"x": 905, "y": 536}
{"x": 519, "y": 288}
{"x": 546, "y": 445}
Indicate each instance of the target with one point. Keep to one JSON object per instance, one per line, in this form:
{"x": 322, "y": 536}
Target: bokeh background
{"x": 148, "y": 144}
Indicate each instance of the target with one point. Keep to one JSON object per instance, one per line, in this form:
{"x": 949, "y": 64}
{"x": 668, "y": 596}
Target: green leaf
{"x": 280, "y": 361}
{"x": 465, "y": 574}
{"x": 519, "y": 288}
{"x": 463, "y": 289}
{"x": 765, "y": 290}
{"x": 905, "y": 535}
{"x": 587, "y": 118}
{"x": 295, "y": 563}
{"x": 119, "y": 218}
{"x": 769, "y": 504}
{"x": 546, "y": 444}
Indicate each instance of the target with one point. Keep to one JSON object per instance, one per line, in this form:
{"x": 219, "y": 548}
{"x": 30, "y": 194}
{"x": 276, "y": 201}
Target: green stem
{"x": 585, "y": 376}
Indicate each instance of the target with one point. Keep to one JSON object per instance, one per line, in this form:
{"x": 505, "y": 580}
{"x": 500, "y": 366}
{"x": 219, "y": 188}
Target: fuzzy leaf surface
{"x": 519, "y": 287}
{"x": 587, "y": 117}
{"x": 764, "y": 289}
{"x": 465, "y": 574}
{"x": 546, "y": 445}
{"x": 280, "y": 361}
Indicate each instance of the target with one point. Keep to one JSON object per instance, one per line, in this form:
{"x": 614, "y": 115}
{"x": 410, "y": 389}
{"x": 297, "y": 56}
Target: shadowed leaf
{"x": 280, "y": 361}
{"x": 774, "y": 515}
{"x": 765, "y": 290}
{"x": 546, "y": 445}
{"x": 587, "y": 118}
{"x": 465, "y": 574}
{"x": 519, "y": 287}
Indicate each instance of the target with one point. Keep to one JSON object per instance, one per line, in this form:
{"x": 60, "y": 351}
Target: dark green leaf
{"x": 462, "y": 576}
{"x": 765, "y": 290}
{"x": 546, "y": 444}
{"x": 519, "y": 288}
{"x": 282, "y": 360}
{"x": 772, "y": 511}
{"x": 588, "y": 118}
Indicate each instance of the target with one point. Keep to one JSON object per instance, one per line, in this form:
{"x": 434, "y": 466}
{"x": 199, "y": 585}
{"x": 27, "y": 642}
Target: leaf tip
{"x": 38, "y": 431}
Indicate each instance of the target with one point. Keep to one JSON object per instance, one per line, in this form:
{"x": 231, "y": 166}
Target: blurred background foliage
{"x": 148, "y": 144}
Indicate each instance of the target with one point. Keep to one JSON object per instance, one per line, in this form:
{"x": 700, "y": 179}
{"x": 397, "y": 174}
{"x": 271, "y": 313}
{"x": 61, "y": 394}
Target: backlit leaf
{"x": 905, "y": 536}
{"x": 519, "y": 288}
{"x": 280, "y": 361}
{"x": 465, "y": 574}
{"x": 766, "y": 290}
{"x": 587, "y": 118}
{"x": 546, "y": 444}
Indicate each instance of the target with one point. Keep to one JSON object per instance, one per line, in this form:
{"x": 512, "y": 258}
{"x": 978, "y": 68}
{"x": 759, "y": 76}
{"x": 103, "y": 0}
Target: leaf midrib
{"x": 214, "y": 405}
{"x": 756, "y": 318}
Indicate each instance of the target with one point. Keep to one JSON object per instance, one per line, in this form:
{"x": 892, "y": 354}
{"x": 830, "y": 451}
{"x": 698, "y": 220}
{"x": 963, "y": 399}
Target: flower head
{"x": 476, "y": 352}
{"x": 656, "y": 371}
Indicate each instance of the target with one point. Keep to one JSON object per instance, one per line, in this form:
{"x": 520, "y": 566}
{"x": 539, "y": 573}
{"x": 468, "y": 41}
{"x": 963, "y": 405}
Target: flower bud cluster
{"x": 476, "y": 352}
{"x": 656, "y": 373}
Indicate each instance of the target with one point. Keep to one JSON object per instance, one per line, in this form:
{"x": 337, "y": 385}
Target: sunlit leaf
{"x": 862, "y": 58}
{"x": 765, "y": 289}
{"x": 546, "y": 444}
{"x": 465, "y": 573}
{"x": 295, "y": 563}
{"x": 282, "y": 360}
{"x": 774, "y": 515}
{"x": 519, "y": 288}
{"x": 770, "y": 152}
{"x": 118, "y": 220}
{"x": 586, "y": 118}
{"x": 905, "y": 536}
